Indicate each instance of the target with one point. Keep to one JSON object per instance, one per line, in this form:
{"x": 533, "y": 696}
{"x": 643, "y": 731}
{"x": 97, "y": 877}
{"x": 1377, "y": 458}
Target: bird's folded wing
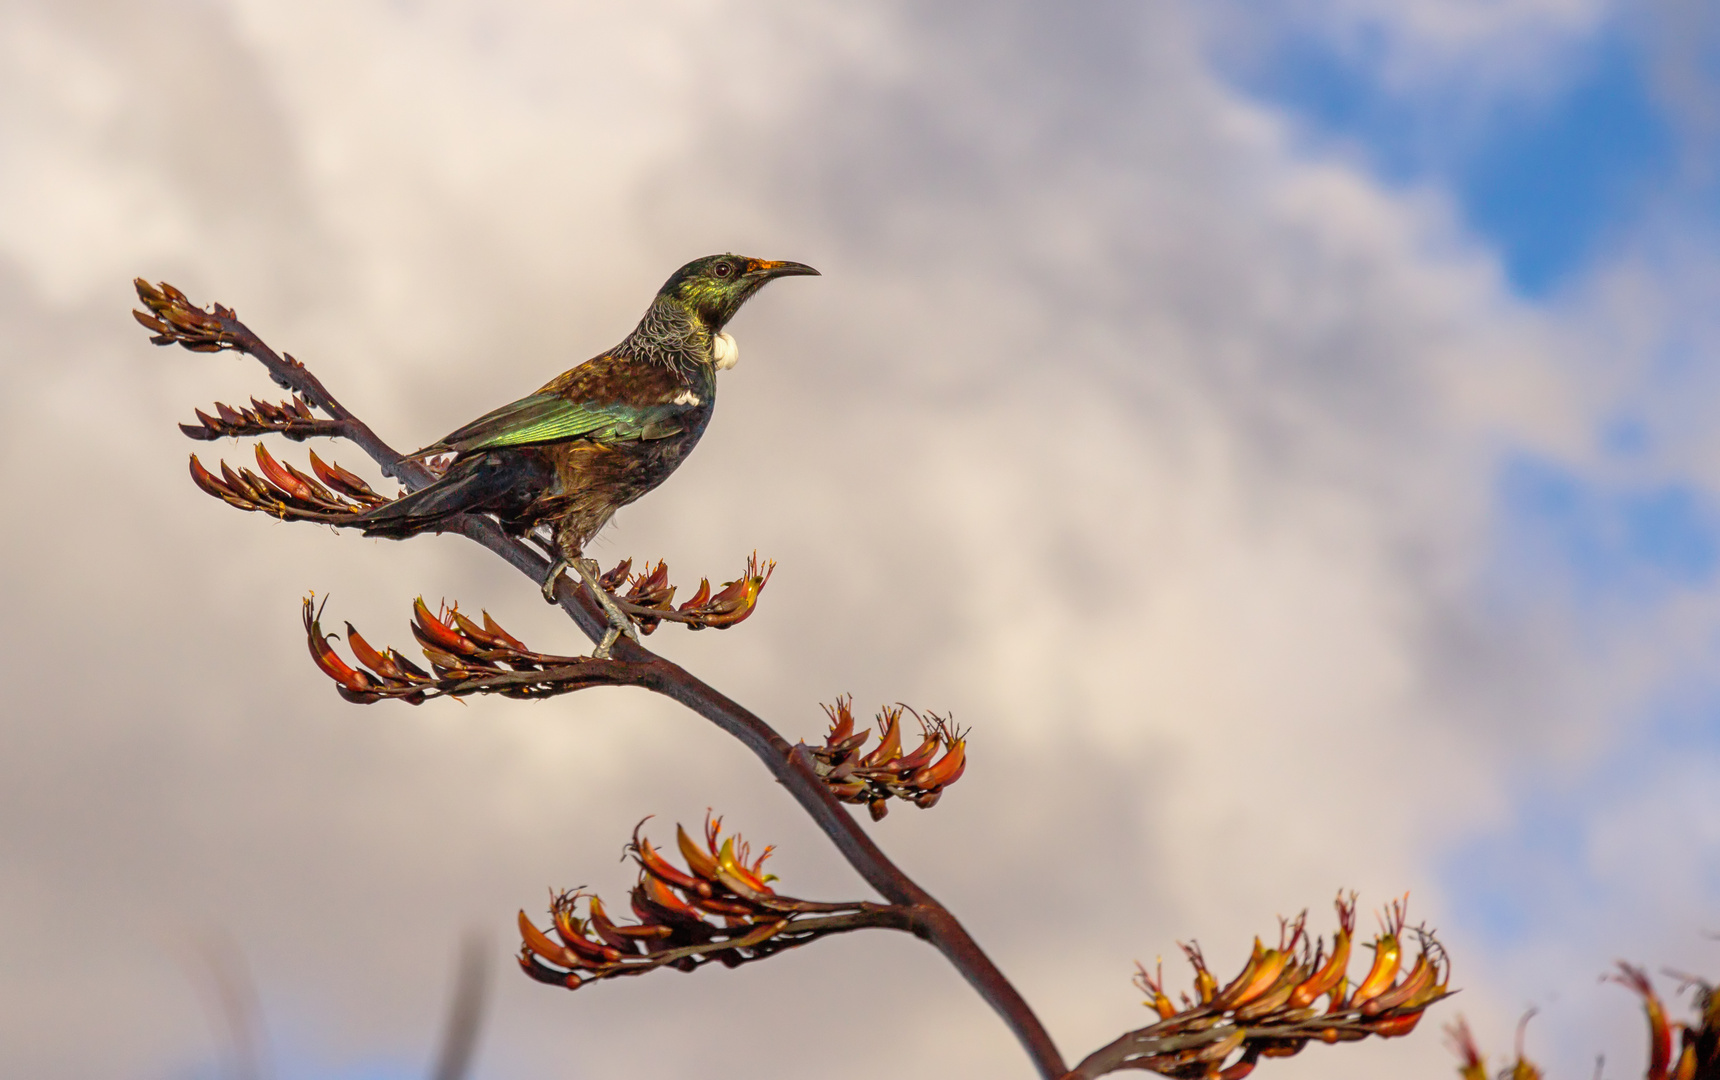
{"x": 551, "y": 418}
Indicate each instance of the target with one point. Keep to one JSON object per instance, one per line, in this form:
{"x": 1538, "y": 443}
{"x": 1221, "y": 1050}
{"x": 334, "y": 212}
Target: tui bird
{"x": 597, "y": 437}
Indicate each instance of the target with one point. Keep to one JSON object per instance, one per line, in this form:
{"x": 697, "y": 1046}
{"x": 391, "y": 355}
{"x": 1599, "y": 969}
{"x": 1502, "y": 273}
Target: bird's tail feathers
{"x": 477, "y": 483}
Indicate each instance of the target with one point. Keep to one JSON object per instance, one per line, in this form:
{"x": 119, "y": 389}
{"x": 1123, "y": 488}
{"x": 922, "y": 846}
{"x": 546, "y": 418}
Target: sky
{"x": 1279, "y": 429}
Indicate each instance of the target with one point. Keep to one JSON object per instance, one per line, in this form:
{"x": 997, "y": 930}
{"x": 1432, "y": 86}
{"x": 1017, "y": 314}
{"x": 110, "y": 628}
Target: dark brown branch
{"x": 177, "y": 321}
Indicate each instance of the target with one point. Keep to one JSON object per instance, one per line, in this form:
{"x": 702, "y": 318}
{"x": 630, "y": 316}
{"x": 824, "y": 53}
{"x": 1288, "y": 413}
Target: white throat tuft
{"x": 725, "y": 354}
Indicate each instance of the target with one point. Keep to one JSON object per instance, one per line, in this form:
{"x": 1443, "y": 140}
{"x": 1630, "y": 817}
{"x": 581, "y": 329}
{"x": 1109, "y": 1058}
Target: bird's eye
{"x": 723, "y": 269}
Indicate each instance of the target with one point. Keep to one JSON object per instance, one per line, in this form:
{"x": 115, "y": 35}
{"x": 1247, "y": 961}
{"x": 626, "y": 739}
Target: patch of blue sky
{"x": 1612, "y": 547}
{"x": 1626, "y": 437}
{"x": 1549, "y": 176}
{"x": 1604, "y": 541}
{"x": 1499, "y": 883}
{"x": 1545, "y": 178}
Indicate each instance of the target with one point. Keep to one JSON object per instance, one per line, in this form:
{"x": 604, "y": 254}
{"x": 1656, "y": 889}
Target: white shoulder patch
{"x": 724, "y": 352}
{"x": 685, "y": 397}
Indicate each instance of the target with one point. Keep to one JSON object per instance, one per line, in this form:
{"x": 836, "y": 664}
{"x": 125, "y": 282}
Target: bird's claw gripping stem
{"x": 550, "y": 580}
{"x": 619, "y": 623}
{"x": 587, "y": 569}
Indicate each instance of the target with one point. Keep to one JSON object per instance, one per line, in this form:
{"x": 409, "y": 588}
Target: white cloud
{"x": 1467, "y": 52}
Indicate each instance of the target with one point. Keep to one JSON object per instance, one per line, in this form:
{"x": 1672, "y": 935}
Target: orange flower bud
{"x": 540, "y": 944}
{"x": 1420, "y": 977}
{"x": 658, "y": 867}
{"x": 889, "y": 743}
{"x": 329, "y": 661}
{"x": 698, "y": 861}
{"x": 1331, "y": 974}
{"x": 433, "y": 631}
{"x": 945, "y": 771}
{"x": 1262, "y": 970}
{"x": 1388, "y": 956}
{"x": 737, "y": 878}
{"x": 1392, "y": 1027}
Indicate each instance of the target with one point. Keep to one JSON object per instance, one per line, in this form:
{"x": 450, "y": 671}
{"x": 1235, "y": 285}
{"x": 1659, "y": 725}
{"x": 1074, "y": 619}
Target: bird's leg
{"x": 555, "y": 570}
{"x": 619, "y": 623}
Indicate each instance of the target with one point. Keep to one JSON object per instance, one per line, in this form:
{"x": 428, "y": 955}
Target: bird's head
{"x": 714, "y": 288}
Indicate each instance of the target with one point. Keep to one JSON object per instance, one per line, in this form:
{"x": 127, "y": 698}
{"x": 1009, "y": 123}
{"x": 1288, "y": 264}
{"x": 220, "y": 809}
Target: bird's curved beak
{"x": 767, "y": 270}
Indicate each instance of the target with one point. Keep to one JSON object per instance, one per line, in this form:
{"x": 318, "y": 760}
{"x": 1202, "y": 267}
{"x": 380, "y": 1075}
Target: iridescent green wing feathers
{"x": 551, "y": 418}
